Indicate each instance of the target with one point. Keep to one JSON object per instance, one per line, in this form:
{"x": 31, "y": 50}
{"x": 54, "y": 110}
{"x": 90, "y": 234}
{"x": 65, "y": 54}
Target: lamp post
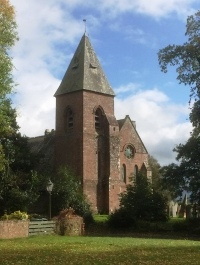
{"x": 49, "y": 189}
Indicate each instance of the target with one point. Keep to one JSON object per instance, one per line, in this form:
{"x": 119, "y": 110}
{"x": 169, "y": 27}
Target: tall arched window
{"x": 144, "y": 170}
{"x": 70, "y": 118}
{"x": 98, "y": 119}
{"x": 123, "y": 173}
{"x": 135, "y": 173}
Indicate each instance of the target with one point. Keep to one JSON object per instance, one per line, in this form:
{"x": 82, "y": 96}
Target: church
{"x": 102, "y": 151}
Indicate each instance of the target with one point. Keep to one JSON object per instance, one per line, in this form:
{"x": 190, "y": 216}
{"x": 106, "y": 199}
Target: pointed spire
{"x": 84, "y": 72}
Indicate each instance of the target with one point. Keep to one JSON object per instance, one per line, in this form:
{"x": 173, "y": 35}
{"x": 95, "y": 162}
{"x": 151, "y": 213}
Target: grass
{"x": 100, "y": 218}
{"x": 98, "y": 250}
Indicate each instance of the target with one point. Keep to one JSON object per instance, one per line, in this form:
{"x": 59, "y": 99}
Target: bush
{"x": 67, "y": 193}
{"x": 121, "y": 218}
{"x": 17, "y": 215}
{"x": 191, "y": 226}
{"x": 139, "y": 203}
{"x": 153, "y": 227}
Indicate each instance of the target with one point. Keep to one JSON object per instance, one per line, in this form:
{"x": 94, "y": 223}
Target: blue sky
{"x": 126, "y": 36}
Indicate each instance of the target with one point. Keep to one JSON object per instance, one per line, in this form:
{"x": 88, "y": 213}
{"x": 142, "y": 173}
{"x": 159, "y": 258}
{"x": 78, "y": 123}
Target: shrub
{"x": 191, "y": 226}
{"x": 139, "y": 203}
{"x": 68, "y": 193}
{"x": 121, "y": 218}
{"x": 17, "y": 215}
{"x": 142, "y": 203}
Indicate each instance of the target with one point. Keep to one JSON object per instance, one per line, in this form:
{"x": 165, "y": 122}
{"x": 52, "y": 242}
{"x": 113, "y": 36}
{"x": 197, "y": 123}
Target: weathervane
{"x": 84, "y": 20}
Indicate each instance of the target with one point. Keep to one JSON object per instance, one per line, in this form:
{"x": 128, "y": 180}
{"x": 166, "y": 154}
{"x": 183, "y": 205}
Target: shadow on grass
{"x": 156, "y": 231}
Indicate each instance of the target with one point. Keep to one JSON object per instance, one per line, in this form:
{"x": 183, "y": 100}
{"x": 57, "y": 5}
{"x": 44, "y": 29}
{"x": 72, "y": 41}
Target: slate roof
{"x": 121, "y": 122}
{"x": 84, "y": 72}
{"x": 43, "y": 148}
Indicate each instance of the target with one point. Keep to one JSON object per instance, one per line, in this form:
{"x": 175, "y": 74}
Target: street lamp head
{"x": 49, "y": 186}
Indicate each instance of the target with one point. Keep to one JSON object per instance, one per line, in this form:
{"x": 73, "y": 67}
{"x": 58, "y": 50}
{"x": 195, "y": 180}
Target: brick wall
{"x": 96, "y": 149}
{"x": 129, "y": 136}
{"x": 96, "y": 156}
{"x": 68, "y": 141}
{"x": 14, "y": 228}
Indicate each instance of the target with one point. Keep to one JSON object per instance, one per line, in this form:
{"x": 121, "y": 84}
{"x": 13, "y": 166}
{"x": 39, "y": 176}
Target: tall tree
{"x": 186, "y": 58}
{"x": 18, "y": 182}
{"x": 139, "y": 202}
{"x": 68, "y": 192}
{"x": 8, "y": 36}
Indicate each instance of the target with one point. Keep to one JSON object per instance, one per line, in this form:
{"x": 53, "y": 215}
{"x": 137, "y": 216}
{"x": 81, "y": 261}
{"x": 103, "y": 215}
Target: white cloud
{"x": 38, "y": 59}
{"x": 159, "y": 121}
{"x": 48, "y": 30}
{"x": 153, "y": 8}
{"x": 127, "y": 88}
{"x": 36, "y": 104}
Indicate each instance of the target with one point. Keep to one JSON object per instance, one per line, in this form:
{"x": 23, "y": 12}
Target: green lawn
{"x": 47, "y": 250}
{"x": 100, "y": 218}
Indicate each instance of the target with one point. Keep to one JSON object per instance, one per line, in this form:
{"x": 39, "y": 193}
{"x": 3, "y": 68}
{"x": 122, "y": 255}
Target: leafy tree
{"x": 173, "y": 180}
{"x": 18, "y": 182}
{"x": 8, "y": 36}
{"x": 186, "y": 175}
{"x": 189, "y": 157}
{"x": 139, "y": 202}
{"x": 19, "y": 191}
{"x": 67, "y": 192}
{"x": 186, "y": 58}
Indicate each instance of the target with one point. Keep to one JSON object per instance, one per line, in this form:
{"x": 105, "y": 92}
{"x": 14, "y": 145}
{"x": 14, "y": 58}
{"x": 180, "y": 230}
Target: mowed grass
{"x": 47, "y": 250}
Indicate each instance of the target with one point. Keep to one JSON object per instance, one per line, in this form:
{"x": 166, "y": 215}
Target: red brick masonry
{"x": 14, "y": 228}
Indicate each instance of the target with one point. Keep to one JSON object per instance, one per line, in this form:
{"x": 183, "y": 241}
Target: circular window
{"x": 129, "y": 151}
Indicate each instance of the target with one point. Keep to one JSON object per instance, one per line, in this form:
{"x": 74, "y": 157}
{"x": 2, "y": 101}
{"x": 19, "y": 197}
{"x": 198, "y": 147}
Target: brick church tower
{"x": 102, "y": 151}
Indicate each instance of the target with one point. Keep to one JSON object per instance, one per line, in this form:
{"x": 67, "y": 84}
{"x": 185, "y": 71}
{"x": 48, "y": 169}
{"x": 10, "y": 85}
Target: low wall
{"x": 70, "y": 226}
{"x": 14, "y": 228}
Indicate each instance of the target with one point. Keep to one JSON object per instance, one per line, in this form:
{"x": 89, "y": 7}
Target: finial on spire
{"x": 84, "y": 20}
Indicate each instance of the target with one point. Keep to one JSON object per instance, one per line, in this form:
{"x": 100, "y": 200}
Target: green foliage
{"x": 186, "y": 175}
{"x": 19, "y": 183}
{"x": 67, "y": 192}
{"x": 189, "y": 226}
{"x": 121, "y": 219}
{"x": 136, "y": 200}
{"x": 186, "y": 58}
{"x": 17, "y": 215}
{"x": 8, "y": 36}
{"x": 174, "y": 180}
{"x": 139, "y": 202}
{"x": 188, "y": 155}
{"x": 8, "y": 131}
{"x": 12, "y": 183}
{"x": 19, "y": 191}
